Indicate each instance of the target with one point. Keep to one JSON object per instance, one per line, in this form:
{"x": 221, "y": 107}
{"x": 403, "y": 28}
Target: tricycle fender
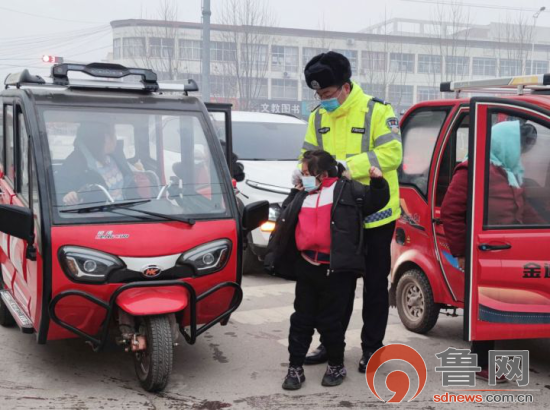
{"x": 411, "y": 259}
{"x": 153, "y": 300}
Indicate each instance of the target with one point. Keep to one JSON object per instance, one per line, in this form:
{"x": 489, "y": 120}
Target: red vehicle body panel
{"x": 153, "y": 301}
{"x": 493, "y": 276}
{"x": 144, "y": 240}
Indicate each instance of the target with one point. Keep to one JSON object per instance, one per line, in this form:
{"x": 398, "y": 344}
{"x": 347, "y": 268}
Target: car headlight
{"x": 209, "y": 258}
{"x": 88, "y": 265}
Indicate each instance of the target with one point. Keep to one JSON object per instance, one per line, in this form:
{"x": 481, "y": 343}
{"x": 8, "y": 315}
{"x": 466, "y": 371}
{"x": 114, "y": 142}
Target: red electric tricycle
{"x": 505, "y": 286}
{"x": 117, "y": 210}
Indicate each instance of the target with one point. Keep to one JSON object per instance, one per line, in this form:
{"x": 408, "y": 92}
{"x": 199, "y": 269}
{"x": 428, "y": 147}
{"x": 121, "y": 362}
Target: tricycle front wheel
{"x": 154, "y": 364}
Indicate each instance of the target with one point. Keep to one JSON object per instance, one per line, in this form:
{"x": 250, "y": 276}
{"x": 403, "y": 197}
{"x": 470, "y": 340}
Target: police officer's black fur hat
{"x": 327, "y": 70}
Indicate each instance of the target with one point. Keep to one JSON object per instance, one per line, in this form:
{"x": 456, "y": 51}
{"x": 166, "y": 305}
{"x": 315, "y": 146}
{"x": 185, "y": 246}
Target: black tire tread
{"x": 431, "y": 309}
{"x": 160, "y": 347}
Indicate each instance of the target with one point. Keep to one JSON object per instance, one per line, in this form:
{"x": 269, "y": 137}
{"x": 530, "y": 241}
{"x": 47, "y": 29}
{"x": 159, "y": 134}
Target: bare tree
{"x": 161, "y": 41}
{"x": 514, "y": 37}
{"x": 247, "y": 24}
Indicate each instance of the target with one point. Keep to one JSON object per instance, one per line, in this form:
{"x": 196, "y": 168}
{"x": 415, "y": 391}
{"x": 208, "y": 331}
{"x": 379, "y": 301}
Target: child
{"x": 319, "y": 237}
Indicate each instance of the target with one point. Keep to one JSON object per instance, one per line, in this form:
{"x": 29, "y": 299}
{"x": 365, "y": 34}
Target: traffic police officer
{"x": 361, "y": 131}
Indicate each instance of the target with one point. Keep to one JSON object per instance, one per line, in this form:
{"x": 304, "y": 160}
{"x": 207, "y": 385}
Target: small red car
{"x": 505, "y": 289}
{"x": 117, "y": 209}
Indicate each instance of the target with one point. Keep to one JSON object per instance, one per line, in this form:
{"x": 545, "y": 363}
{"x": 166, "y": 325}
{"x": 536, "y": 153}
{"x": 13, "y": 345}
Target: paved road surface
{"x": 239, "y": 366}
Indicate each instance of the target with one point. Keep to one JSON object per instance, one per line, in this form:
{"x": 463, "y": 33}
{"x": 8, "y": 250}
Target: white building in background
{"x": 401, "y": 60}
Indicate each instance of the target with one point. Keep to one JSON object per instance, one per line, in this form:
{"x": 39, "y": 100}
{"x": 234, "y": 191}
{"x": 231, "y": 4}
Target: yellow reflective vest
{"x": 363, "y": 132}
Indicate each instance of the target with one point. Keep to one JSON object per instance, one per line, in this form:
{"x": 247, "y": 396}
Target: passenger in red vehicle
{"x": 506, "y": 202}
{"x": 96, "y": 159}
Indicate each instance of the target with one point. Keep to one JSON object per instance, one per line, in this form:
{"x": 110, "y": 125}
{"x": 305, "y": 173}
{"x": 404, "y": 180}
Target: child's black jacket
{"x": 352, "y": 202}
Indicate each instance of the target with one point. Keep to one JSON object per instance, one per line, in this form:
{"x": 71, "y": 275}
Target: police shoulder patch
{"x": 393, "y": 124}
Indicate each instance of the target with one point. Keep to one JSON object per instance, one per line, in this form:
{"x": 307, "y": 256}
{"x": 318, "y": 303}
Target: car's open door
{"x": 508, "y": 259}
{"x": 221, "y": 116}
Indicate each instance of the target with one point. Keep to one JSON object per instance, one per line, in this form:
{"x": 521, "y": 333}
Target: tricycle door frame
{"x": 225, "y": 109}
{"x": 500, "y": 302}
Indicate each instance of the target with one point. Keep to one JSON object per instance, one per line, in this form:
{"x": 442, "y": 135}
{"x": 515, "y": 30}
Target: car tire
{"x": 154, "y": 365}
{"x": 415, "y": 303}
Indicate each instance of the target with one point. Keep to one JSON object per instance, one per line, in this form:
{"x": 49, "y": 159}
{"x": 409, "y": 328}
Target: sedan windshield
{"x": 267, "y": 141}
{"x": 159, "y": 162}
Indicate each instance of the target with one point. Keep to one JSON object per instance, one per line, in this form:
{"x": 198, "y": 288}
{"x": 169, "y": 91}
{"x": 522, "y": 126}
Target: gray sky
{"x": 78, "y": 29}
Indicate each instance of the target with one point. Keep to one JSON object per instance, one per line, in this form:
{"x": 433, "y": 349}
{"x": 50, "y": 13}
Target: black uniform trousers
{"x": 320, "y": 303}
{"x": 376, "y": 304}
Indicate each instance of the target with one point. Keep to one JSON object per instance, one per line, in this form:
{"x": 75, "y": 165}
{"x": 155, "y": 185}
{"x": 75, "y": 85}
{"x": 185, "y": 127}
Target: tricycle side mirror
{"x": 18, "y": 221}
{"x": 254, "y": 215}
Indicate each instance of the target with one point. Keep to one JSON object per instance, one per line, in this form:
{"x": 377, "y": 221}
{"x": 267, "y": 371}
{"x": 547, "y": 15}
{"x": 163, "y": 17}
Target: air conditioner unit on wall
{"x": 350, "y": 41}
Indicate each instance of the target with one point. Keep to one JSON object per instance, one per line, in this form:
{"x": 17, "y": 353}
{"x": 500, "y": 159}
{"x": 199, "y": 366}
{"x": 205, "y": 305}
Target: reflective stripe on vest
{"x": 318, "y": 134}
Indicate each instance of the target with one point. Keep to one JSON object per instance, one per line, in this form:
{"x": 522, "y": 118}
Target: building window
{"x": 401, "y": 94}
{"x": 427, "y": 93}
{"x": 457, "y": 65}
{"x": 223, "y": 51}
{"x": 254, "y": 88}
{"x": 351, "y": 56}
{"x": 284, "y": 89}
{"x": 133, "y": 47}
{"x": 308, "y": 53}
{"x": 161, "y": 47}
{"x": 284, "y": 59}
{"x": 254, "y": 59}
{"x": 402, "y": 63}
{"x": 429, "y": 64}
{"x": 375, "y": 90}
{"x": 373, "y": 61}
{"x": 117, "y": 48}
{"x": 485, "y": 66}
{"x": 223, "y": 86}
{"x": 307, "y": 93}
{"x": 190, "y": 50}
{"x": 539, "y": 67}
{"x": 510, "y": 67}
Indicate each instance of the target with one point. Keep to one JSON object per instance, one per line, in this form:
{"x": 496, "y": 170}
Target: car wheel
{"x": 415, "y": 303}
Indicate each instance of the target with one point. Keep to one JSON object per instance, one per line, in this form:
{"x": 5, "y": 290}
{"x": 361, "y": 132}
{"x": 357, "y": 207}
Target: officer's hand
{"x": 296, "y": 177}
{"x": 375, "y": 173}
{"x": 71, "y": 199}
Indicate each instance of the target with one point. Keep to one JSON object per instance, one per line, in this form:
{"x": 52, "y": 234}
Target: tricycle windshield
{"x": 128, "y": 164}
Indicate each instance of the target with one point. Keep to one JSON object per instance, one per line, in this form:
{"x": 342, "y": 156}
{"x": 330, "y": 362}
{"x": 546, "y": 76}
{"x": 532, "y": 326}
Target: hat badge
{"x": 315, "y": 85}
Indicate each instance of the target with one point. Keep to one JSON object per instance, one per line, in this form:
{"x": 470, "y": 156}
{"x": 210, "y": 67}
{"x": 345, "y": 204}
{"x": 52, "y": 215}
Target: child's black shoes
{"x": 294, "y": 378}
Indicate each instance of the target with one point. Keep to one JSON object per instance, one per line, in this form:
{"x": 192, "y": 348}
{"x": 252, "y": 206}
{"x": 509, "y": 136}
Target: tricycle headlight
{"x": 208, "y": 258}
{"x": 88, "y": 265}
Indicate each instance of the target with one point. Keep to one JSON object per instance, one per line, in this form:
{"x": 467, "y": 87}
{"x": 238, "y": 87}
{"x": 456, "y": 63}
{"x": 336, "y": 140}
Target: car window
{"x": 420, "y": 133}
{"x": 10, "y": 164}
{"x": 23, "y": 168}
{"x": 100, "y": 156}
{"x": 518, "y": 184}
{"x": 268, "y": 141}
{"x": 1, "y": 137}
{"x": 455, "y": 151}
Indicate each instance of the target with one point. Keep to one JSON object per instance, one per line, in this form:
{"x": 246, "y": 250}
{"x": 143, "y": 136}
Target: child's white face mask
{"x": 309, "y": 183}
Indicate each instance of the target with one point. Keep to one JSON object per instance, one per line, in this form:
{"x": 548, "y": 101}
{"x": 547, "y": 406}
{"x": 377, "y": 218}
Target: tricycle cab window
{"x": 152, "y": 161}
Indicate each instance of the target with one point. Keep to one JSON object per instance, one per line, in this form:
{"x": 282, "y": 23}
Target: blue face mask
{"x": 332, "y": 104}
{"x": 309, "y": 183}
